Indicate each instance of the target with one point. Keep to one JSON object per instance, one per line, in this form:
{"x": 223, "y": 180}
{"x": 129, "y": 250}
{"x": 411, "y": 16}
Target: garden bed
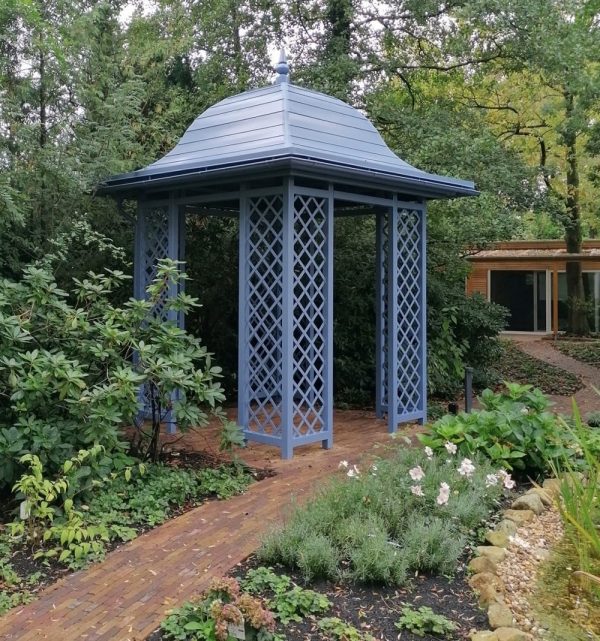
{"x": 517, "y": 366}
{"x": 127, "y": 509}
{"x": 374, "y": 610}
{"x": 585, "y": 351}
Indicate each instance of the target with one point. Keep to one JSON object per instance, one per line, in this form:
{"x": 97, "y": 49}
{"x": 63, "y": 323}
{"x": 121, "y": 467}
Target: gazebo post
{"x": 392, "y": 315}
{"x": 288, "y": 154}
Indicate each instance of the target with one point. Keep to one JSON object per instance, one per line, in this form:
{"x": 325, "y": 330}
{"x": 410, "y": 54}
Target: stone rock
{"x": 541, "y": 554}
{"x": 529, "y": 502}
{"x": 482, "y": 564}
{"x": 507, "y": 527}
{"x": 487, "y": 595}
{"x": 495, "y": 554}
{"x": 544, "y": 495}
{"x": 552, "y": 486}
{"x": 483, "y": 635}
{"x": 499, "y": 616}
{"x": 478, "y": 581}
{"x": 520, "y": 517}
{"x": 512, "y": 634}
{"x": 497, "y": 539}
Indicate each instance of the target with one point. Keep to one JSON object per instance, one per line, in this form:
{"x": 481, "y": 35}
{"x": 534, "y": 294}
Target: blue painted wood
{"x": 243, "y": 297}
{"x": 327, "y": 442}
{"x": 283, "y": 121}
{"x": 423, "y": 302}
{"x": 287, "y": 411}
{"x": 392, "y": 318}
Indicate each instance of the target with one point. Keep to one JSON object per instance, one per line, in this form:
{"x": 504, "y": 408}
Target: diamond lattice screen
{"x": 264, "y": 310}
{"x": 408, "y": 296}
{"x": 409, "y": 281}
{"x": 309, "y": 318}
{"x": 155, "y": 248}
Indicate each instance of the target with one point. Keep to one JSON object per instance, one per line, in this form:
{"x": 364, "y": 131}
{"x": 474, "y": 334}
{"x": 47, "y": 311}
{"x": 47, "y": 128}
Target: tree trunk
{"x": 577, "y": 322}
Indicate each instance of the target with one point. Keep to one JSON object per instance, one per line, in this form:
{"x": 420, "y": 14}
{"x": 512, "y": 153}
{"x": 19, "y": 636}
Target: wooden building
{"x": 528, "y": 277}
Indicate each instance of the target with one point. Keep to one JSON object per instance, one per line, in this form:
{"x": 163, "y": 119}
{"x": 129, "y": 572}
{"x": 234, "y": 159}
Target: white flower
{"x": 354, "y": 472}
{"x": 429, "y": 452}
{"x": 524, "y": 410}
{"x": 466, "y": 468}
{"x": 506, "y": 479}
{"x": 373, "y": 468}
{"x": 416, "y": 473}
{"x": 343, "y": 465}
{"x": 417, "y": 490}
{"x": 490, "y": 480}
{"x": 444, "y": 494}
{"x": 450, "y": 447}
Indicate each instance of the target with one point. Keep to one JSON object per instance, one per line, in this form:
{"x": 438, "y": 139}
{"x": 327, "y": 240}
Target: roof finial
{"x": 282, "y": 68}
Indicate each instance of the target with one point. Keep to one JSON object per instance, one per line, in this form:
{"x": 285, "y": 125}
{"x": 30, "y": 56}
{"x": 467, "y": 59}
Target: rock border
{"x": 487, "y": 582}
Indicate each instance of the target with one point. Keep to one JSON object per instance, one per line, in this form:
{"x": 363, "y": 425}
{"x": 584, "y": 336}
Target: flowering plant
{"x": 515, "y": 430}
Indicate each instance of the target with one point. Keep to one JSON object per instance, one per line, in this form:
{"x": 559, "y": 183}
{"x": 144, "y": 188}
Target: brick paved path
{"x": 125, "y": 597}
{"x": 587, "y": 399}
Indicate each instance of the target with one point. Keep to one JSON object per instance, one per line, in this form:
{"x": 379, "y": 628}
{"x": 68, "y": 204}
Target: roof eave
{"x": 421, "y": 184}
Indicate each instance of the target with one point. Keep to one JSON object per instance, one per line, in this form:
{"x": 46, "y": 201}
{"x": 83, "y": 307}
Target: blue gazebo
{"x": 285, "y": 160}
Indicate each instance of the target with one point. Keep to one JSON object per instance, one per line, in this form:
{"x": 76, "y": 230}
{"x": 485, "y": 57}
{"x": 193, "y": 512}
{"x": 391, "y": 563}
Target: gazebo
{"x": 285, "y": 160}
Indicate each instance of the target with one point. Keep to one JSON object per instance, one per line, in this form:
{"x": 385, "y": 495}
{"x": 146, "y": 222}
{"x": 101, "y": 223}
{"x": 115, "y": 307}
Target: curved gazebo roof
{"x": 285, "y": 126}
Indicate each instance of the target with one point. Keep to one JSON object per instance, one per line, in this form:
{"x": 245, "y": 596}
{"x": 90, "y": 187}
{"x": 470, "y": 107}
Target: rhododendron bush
{"x": 382, "y": 522}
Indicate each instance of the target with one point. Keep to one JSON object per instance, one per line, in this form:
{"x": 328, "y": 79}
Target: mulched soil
{"x": 518, "y": 367}
{"x": 50, "y": 571}
{"x": 375, "y": 609}
{"x": 586, "y": 351}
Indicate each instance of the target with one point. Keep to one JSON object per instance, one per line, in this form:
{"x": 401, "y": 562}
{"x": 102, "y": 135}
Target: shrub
{"x": 593, "y": 419}
{"x": 381, "y": 523}
{"x": 73, "y": 365}
{"x": 514, "y": 429}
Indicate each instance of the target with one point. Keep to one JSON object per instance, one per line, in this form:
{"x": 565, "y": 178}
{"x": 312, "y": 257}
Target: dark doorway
{"x": 515, "y": 291}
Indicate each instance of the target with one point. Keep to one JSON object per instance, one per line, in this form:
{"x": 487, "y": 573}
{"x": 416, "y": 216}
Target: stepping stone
{"x": 520, "y": 517}
{"x": 495, "y": 554}
{"x": 499, "y": 616}
{"x": 482, "y": 564}
{"x": 529, "y": 502}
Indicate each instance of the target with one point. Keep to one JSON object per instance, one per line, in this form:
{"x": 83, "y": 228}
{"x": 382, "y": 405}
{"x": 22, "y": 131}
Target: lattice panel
{"x": 309, "y": 317}
{"x": 382, "y": 344}
{"x": 155, "y": 248}
{"x": 409, "y": 330}
{"x": 264, "y": 314}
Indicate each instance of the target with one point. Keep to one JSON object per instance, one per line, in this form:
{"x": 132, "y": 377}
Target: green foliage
{"x": 593, "y": 419}
{"x": 373, "y": 527}
{"x": 72, "y": 367}
{"x": 580, "y": 506}
{"x": 207, "y": 619}
{"x": 61, "y": 526}
{"x": 515, "y": 429}
{"x": 289, "y": 603}
{"x": 586, "y": 351}
{"x": 517, "y": 366}
{"x": 338, "y": 630}
{"x": 424, "y": 620}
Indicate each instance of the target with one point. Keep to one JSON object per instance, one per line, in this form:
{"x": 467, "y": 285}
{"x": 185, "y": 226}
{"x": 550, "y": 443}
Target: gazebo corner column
{"x": 401, "y": 357}
{"x": 159, "y": 233}
{"x": 285, "y": 385}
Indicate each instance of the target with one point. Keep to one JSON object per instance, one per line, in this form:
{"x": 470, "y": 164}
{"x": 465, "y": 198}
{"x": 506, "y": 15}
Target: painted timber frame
{"x": 285, "y": 326}
{"x": 285, "y": 161}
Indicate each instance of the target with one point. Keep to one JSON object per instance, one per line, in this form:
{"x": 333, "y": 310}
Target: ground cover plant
{"x": 331, "y": 611}
{"x": 66, "y": 529}
{"x": 514, "y": 429}
{"x": 586, "y": 351}
{"x": 411, "y": 512}
{"x": 513, "y": 364}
